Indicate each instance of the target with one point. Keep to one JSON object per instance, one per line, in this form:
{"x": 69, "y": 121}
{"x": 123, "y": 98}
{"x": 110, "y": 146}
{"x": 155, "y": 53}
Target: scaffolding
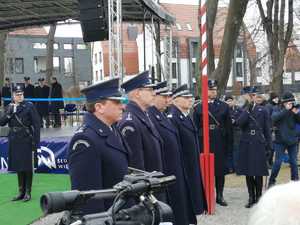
{"x": 115, "y": 38}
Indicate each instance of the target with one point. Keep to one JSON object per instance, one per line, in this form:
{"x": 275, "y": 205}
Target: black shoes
{"x": 18, "y": 197}
{"x": 220, "y": 200}
{"x": 27, "y": 197}
{"x": 250, "y": 203}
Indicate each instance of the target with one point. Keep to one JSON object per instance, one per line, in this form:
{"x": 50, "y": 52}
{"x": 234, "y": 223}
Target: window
{"x": 189, "y": 27}
{"x": 239, "y": 51}
{"x": 96, "y": 58}
{"x": 101, "y": 75}
{"x": 239, "y": 69}
{"x": 195, "y": 50}
{"x": 56, "y": 64}
{"x": 10, "y": 62}
{"x": 39, "y": 45}
{"x": 68, "y": 46}
{"x": 68, "y": 65}
{"x": 174, "y": 70}
{"x": 174, "y": 49}
{"x": 19, "y": 65}
{"x": 96, "y": 76}
{"x": 81, "y": 46}
{"x": 55, "y": 46}
{"x": 194, "y": 69}
{"x": 178, "y": 26}
{"x": 100, "y": 57}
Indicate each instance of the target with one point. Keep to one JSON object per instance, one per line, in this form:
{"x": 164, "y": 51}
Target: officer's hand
{"x": 295, "y": 110}
{"x": 10, "y": 109}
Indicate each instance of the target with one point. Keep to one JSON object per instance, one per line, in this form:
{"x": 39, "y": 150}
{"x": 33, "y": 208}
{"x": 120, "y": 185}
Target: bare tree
{"x": 278, "y": 36}
{"x": 50, "y": 50}
{"x": 234, "y": 20}
{"x": 3, "y": 37}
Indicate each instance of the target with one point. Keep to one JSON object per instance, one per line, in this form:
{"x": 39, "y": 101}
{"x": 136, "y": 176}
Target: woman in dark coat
{"x": 254, "y": 145}
{"x": 23, "y": 139}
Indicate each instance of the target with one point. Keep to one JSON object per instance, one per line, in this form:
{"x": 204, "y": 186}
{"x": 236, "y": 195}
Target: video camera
{"x": 138, "y": 187}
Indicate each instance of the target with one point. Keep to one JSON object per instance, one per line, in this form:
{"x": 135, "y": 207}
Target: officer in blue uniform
{"x": 98, "y": 158}
{"x": 234, "y": 111}
{"x": 189, "y": 145}
{"x": 220, "y": 131}
{"x": 136, "y": 127}
{"x": 23, "y": 139}
{"x": 177, "y": 194}
{"x": 28, "y": 89}
{"x": 254, "y": 144}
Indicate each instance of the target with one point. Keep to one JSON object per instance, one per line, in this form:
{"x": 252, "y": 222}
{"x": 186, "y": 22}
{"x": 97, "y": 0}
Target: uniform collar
{"x": 100, "y": 127}
{"x": 135, "y": 109}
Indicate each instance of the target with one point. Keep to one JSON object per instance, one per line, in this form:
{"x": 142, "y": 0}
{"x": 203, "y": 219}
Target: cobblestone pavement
{"x": 234, "y": 214}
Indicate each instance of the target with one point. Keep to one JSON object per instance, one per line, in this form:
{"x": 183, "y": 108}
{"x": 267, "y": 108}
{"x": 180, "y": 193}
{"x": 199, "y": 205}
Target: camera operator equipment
{"x": 141, "y": 187}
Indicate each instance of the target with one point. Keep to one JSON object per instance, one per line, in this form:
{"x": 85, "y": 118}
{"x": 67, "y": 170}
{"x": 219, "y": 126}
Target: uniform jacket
{"x": 29, "y": 91}
{"x": 190, "y": 155}
{"x": 255, "y": 141}
{"x": 42, "y": 106}
{"x": 285, "y": 126}
{"x": 56, "y": 92}
{"x": 22, "y": 141}
{"x": 220, "y": 131}
{"x": 143, "y": 139}
{"x": 97, "y": 159}
{"x": 178, "y": 196}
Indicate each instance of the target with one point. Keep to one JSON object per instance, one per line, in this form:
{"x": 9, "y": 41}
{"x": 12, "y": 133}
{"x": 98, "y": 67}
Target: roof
{"x": 20, "y": 13}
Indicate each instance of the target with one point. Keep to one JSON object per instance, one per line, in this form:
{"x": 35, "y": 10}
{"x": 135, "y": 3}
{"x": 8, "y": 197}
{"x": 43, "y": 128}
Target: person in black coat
{"x": 284, "y": 119}
{"x": 220, "y": 136}
{"x": 23, "y": 140}
{"x": 189, "y": 145}
{"x": 56, "y": 92}
{"x": 255, "y": 144}
{"x": 28, "y": 89}
{"x": 136, "y": 127}
{"x": 177, "y": 194}
{"x": 97, "y": 156}
{"x": 43, "y": 91}
{"x": 6, "y": 91}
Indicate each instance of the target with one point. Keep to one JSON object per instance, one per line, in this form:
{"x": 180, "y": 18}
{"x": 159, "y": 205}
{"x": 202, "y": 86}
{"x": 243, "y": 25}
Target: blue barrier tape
{"x": 49, "y": 99}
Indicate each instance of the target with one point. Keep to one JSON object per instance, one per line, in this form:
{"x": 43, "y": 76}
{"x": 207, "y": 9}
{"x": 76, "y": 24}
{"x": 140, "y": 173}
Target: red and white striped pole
{"x": 206, "y": 158}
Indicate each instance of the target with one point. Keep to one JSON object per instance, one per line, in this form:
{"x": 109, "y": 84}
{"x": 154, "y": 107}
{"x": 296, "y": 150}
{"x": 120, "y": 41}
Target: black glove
{"x": 10, "y": 110}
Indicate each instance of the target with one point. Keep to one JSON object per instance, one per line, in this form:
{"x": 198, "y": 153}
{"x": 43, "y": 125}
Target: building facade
{"x": 26, "y": 56}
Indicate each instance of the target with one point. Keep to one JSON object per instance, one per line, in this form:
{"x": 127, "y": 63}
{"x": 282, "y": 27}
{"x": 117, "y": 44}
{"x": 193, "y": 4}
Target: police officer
{"x": 43, "y": 91}
{"x": 98, "y": 159}
{"x": 136, "y": 127}
{"x": 220, "y": 131}
{"x": 6, "y": 91}
{"x": 235, "y": 112}
{"x": 23, "y": 139}
{"x": 189, "y": 145}
{"x": 178, "y": 197}
{"x": 28, "y": 89}
{"x": 254, "y": 145}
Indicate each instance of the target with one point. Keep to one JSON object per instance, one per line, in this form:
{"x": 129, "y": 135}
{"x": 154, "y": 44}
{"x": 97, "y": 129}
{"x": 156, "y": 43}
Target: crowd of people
{"x": 161, "y": 130}
{"x": 36, "y": 93}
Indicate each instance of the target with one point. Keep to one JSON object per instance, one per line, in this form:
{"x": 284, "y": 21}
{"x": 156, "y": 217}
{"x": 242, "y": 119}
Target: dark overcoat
{"x": 22, "y": 139}
{"x": 29, "y": 91}
{"x": 42, "y": 106}
{"x": 143, "y": 139}
{"x": 178, "y": 196}
{"x": 97, "y": 159}
{"x": 255, "y": 139}
{"x": 6, "y": 93}
{"x": 220, "y": 132}
{"x": 56, "y": 92}
{"x": 190, "y": 155}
